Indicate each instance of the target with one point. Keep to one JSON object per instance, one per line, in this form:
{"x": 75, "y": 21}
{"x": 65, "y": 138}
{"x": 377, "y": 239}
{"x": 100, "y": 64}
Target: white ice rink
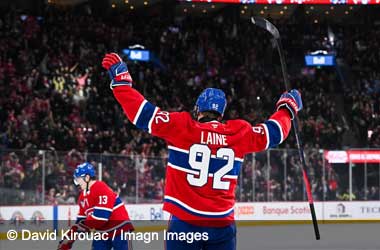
{"x": 289, "y": 237}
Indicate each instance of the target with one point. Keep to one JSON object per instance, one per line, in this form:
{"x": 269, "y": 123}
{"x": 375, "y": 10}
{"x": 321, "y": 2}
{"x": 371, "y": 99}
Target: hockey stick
{"x": 265, "y": 24}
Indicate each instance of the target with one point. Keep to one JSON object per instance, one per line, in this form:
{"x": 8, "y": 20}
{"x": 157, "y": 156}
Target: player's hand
{"x": 290, "y": 100}
{"x": 65, "y": 245}
{"x": 117, "y": 70}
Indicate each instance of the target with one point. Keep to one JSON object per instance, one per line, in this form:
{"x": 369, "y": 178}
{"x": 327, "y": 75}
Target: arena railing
{"x": 33, "y": 177}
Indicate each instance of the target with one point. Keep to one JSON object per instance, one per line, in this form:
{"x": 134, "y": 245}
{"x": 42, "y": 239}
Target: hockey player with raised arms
{"x": 205, "y": 155}
{"x": 100, "y": 210}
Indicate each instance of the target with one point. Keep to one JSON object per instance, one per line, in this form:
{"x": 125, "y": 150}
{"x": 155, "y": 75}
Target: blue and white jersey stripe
{"x": 139, "y": 112}
{"x": 118, "y": 203}
{"x": 80, "y": 218}
{"x": 197, "y": 212}
{"x": 144, "y": 116}
{"x": 101, "y": 213}
{"x": 179, "y": 159}
{"x": 274, "y": 133}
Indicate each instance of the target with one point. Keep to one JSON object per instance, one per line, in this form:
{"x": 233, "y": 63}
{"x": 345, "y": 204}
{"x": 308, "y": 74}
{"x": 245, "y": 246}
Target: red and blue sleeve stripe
{"x": 277, "y": 128}
{"x": 144, "y": 115}
{"x": 101, "y": 213}
{"x": 138, "y": 110}
{"x": 275, "y": 133}
{"x": 80, "y": 218}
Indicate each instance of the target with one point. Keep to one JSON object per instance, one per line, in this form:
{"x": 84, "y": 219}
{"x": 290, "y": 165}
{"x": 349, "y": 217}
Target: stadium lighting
{"x": 331, "y": 36}
{"x": 136, "y": 46}
{"x": 318, "y": 52}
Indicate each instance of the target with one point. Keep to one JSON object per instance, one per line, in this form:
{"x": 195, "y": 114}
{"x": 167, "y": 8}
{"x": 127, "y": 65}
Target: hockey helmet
{"x": 211, "y": 99}
{"x": 82, "y": 170}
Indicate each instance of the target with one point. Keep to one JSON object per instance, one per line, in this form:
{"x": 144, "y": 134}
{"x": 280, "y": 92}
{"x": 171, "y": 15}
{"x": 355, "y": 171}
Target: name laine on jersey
{"x": 213, "y": 138}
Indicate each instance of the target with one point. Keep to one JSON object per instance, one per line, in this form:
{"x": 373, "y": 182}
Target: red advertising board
{"x": 354, "y": 156}
{"x": 350, "y": 2}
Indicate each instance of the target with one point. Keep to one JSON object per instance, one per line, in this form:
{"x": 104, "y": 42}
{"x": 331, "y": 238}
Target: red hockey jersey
{"x": 204, "y": 158}
{"x": 101, "y": 209}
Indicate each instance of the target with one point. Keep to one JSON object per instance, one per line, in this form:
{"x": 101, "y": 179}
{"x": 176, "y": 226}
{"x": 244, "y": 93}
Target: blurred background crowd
{"x": 56, "y": 108}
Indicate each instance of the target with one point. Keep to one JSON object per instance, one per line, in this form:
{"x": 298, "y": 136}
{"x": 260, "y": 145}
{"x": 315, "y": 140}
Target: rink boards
{"x": 258, "y": 211}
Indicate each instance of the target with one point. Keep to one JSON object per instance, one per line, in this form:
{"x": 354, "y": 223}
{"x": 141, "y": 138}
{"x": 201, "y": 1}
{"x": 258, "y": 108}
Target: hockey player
{"x": 100, "y": 210}
{"x": 205, "y": 155}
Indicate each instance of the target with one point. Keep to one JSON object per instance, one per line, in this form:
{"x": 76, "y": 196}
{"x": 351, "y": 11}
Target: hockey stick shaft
{"x": 273, "y": 30}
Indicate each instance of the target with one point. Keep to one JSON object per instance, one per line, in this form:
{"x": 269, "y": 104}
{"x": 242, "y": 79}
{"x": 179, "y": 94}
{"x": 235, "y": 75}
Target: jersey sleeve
{"x": 146, "y": 116}
{"x": 270, "y": 133}
{"x": 103, "y": 200}
{"x": 81, "y": 215}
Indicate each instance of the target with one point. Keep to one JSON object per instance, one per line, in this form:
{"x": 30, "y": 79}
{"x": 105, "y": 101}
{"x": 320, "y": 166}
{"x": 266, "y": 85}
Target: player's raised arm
{"x": 276, "y": 129}
{"x": 139, "y": 111}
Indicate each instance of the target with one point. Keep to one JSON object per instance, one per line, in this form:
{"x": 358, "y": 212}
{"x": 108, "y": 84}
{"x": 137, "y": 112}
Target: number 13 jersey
{"x": 205, "y": 159}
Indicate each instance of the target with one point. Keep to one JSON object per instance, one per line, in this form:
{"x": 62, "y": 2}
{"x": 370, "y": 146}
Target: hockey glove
{"x": 292, "y": 101}
{"x": 66, "y": 244}
{"x": 117, "y": 69}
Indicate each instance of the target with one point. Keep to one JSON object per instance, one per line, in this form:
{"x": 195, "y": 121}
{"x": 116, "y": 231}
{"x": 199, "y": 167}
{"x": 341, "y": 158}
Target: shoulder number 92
{"x": 161, "y": 116}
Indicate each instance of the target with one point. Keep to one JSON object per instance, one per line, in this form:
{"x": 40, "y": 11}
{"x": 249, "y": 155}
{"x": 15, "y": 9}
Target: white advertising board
{"x": 276, "y": 211}
{"x": 255, "y": 211}
{"x": 22, "y": 213}
{"x": 355, "y": 210}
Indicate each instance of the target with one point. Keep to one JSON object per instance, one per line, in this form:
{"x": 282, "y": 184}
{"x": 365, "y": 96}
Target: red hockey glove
{"x": 66, "y": 244}
{"x": 117, "y": 70}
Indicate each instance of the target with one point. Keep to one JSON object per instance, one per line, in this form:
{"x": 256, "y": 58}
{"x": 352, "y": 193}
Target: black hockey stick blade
{"x": 265, "y": 24}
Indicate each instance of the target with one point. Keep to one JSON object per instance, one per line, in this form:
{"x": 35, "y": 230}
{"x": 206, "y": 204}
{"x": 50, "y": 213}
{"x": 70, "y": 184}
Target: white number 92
{"x": 203, "y": 152}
